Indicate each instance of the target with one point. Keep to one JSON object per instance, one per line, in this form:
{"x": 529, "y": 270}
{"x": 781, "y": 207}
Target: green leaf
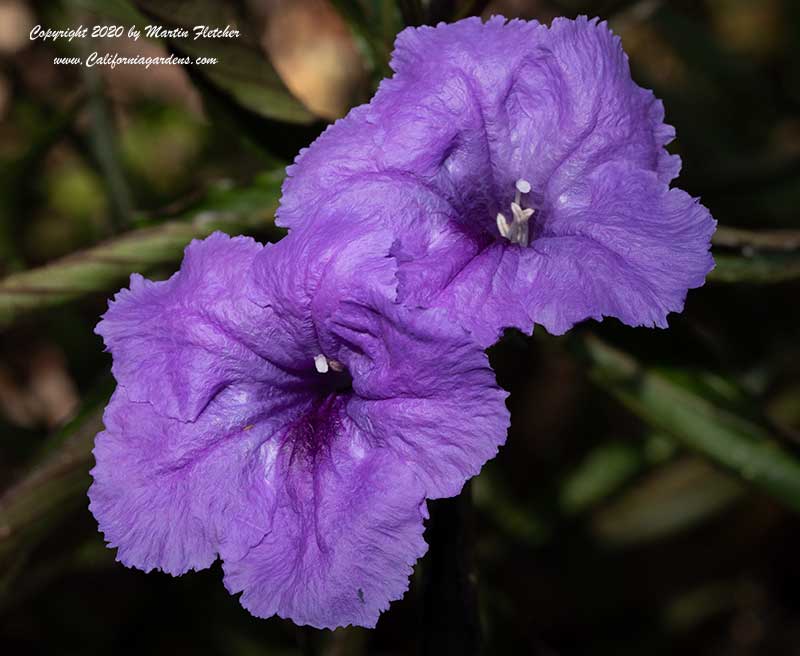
{"x": 58, "y": 479}
{"x": 492, "y": 498}
{"x": 100, "y": 268}
{"x": 757, "y": 256}
{"x": 373, "y": 26}
{"x": 672, "y": 499}
{"x": 243, "y": 72}
{"x": 765, "y": 240}
{"x": 729, "y": 440}
{"x": 608, "y": 468}
{"x": 412, "y": 12}
{"x": 453, "y": 10}
{"x": 756, "y": 268}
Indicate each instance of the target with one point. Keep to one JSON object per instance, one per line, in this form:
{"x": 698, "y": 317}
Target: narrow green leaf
{"x": 766, "y": 240}
{"x": 602, "y": 471}
{"x": 756, "y": 268}
{"x": 100, "y": 268}
{"x": 609, "y": 468}
{"x": 493, "y": 499}
{"x": 452, "y": 10}
{"x": 737, "y": 444}
{"x": 245, "y": 74}
{"x": 757, "y": 256}
{"x": 373, "y": 28}
{"x": 243, "y": 71}
{"x": 119, "y": 10}
{"x": 671, "y": 499}
{"x": 57, "y": 480}
{"x": 412, "y": 12}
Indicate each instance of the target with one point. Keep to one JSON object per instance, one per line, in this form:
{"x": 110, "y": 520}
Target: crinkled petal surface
{"x": 428, "y": 395}
{"x": 176, "y": 343}
{"x": 422, "y": 386}
{"x": 171, "y": 495}
{"x": 472, "y": 108}
{"x": 622, "y": 245}
{"x": 346, "y": 531}
{"x": 309, "y": 485}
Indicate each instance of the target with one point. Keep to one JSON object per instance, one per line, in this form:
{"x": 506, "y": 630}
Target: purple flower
{"x": 523, "y": 174}
{"x": 277, "y": 409}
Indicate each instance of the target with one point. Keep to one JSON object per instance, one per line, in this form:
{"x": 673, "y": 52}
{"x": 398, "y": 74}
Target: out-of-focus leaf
{"x": 243, "y": 71}
{"x": 607, "y": 468}
{"x": 737, "y": 444}
{"x": 245, "y": 74}
{"x": 670, "y": 500}
{"x": 765, "y": 240}
{"x": 99, "y": 269}
{"x": 412, "y": 12}
{"x": 17, "y": 175}
{"x": 120, "y": 10}
{"x": 57, "y": 480}
{"x": 104, "y": 143}
{"x": 373, "y": 26}
{"x": 693, "y": 608}
{"x": 514, "y": 519}
{"x": 452, "y": 10}
{"x": 20, "y": 584}
{"x": 756, "y": 268}
{"x": 758, "y": 256}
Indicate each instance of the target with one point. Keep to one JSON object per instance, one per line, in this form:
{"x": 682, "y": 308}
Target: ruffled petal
{"x": 475, "y": 106}
{"x": 346, "y": 531}
{"x": 178, "y": 342}
{"x": 485, "y": 295}
{"x": 423, "y": 390}
{"x": 413, "y": 371}
{"x": 292, "y": 474}
{"x": 172, "y": 495}
{"x": 309, "y": 274}
{"x": 624, "y": 245}
{"x": 434, "y": 157}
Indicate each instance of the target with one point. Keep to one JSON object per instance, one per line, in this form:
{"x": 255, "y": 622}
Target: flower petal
{"x": 346, "y": 532}
{"x": 424, "y": 390}
{"x": 176, "y": 343}
{"x": 172, "y": 495}
{"x": 413, "y": 371}
{"x": 621, "y": 245}
{"x": 475, "y": 106}
{"x": 472, "y": 108}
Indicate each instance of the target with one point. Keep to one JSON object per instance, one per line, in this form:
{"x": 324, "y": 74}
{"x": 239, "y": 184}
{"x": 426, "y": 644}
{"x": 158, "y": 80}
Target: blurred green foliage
{"x": 647, "y": 499}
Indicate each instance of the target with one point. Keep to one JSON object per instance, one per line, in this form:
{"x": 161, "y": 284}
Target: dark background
{"x": 646, "y": 501}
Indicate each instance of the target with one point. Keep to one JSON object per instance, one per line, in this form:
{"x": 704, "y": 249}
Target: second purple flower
{"x": 523, "y": 174}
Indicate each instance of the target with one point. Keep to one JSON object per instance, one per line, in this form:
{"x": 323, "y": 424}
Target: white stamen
{"x": 502, "y": 225}
{"x": 321, "y": 363}
{"x": 517, "y": 231}
{"x": 336, "y": 365}
{"x": 520, "y": 215}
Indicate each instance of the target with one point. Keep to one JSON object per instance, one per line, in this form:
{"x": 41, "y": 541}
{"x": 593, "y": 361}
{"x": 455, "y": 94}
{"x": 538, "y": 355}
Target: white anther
{"x": 517, "y": 230}
{"x": 321, "y": 363}
{"x": 502, "y": 225}
{"x": 520, "y": 215}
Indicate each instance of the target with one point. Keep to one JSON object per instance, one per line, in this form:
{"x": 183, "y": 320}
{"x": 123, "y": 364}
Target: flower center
{"x": 323, "y": 364}
{"x": 516, "y": 231}
{"x": 335, "y": 376}
{"x": 316, "y": 428}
